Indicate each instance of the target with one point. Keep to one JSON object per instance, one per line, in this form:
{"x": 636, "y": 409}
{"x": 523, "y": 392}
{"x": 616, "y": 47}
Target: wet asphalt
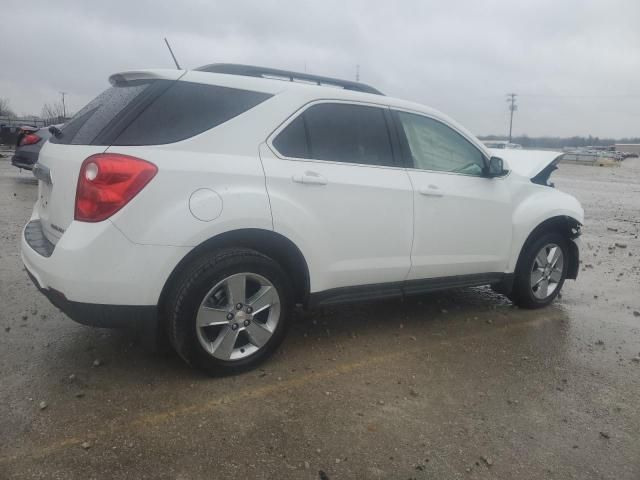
{"x": 451, "y": 385}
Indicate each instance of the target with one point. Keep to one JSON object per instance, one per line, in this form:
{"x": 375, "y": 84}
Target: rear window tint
{"x": 155, "y": 112}
{"x": 86, "y": 125}
{"x": 187, "y": 109}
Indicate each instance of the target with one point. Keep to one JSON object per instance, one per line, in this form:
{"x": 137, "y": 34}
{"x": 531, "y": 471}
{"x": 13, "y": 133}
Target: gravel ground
{"x": 453, "y": 385}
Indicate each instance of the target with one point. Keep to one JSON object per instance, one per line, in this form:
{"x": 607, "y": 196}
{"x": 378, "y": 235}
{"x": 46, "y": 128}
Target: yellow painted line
{"x": 253, "y": 393}
{"x": 152, "y": 419}
{"x": 260, "y": 392}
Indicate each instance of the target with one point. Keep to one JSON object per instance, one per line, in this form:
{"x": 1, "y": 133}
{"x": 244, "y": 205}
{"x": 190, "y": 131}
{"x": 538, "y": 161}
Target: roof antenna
{"x": 171, "y": 52}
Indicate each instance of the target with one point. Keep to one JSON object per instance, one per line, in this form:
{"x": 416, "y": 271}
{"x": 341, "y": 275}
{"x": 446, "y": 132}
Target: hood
{"x": 527, "y": 163}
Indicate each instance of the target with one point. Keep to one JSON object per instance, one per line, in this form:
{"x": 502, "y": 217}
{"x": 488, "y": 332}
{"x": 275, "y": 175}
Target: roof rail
{"x": 274, "y": 73}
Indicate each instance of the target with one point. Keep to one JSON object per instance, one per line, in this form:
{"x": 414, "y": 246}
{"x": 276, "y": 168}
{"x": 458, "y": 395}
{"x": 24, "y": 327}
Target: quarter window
{"x": 292, "y": 141}
{"x": 185, "y": 110}
{"x": 435, "y": 146}
{"x": 340, "y": 133}
{"x": 155, "y": 112}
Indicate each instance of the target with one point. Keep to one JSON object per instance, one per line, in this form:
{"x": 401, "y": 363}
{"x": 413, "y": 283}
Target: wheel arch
{"x": 566, "y": 226}
{"x": 267, "y": 242}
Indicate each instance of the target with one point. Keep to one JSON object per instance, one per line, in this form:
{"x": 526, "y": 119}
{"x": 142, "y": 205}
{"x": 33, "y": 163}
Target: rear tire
{"x": 229, "y": 310}
{"x": 541, "y": 271}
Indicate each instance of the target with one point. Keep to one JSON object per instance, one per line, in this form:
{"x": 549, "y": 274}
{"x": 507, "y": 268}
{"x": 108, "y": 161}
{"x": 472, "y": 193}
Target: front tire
{"x": 541, "y": 271}
{"x": 229, "y": 310}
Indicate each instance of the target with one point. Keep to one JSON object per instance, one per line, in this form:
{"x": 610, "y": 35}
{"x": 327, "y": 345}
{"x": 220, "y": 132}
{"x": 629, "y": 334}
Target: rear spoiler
{"x": 161, "y": 74}
{"x": 28, "y": 128}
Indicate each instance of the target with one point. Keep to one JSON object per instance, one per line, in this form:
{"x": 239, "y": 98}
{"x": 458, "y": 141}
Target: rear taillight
{"x": 107, "y": 182}
{"x": 29, "y": 139}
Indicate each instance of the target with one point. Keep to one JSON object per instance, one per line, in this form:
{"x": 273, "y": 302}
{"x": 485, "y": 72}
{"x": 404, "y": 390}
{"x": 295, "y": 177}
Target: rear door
{"x": 336, "y": 190}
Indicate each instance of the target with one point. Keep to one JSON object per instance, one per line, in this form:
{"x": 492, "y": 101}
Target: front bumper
{"x": 574, "y": 259}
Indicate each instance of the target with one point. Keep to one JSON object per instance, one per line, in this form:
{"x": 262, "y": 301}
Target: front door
{"x": 462, "y": 219}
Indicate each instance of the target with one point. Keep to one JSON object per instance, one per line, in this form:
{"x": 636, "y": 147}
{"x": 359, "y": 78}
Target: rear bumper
{"x": 99, "y": 315}
{"x": 97, "y": 276}
{"x": 26, "y": 162}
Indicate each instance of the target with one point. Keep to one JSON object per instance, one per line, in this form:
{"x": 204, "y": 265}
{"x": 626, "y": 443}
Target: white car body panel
{"x": 463, "y": 224}
{"x": 357, "y": 224}
{"x": 95, "y": 263}
{"x": 533, "y": 205}
{"x": 526, "y": 163}
{"x": 365, "y": 225}
{"x": 164, "y": 203}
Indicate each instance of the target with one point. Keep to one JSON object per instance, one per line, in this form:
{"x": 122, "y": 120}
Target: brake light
{"x": 107, "y": 182}
{"x": 29, "y": 139}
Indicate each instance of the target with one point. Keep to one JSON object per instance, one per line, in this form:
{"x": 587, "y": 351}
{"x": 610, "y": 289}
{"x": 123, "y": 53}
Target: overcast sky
{"x": 575, "y": 63}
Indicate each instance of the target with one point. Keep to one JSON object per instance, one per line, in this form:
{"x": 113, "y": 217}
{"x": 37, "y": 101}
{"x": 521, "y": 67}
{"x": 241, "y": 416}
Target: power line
{"x": 511, "y": 99}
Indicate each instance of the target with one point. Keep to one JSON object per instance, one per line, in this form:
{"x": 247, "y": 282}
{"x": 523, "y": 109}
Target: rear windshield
{"x": 86, "y": 125}
{"x": 155, "y": 112}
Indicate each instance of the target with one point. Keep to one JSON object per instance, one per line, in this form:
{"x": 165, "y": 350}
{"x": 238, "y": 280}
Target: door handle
{"x": 430, "y": 191}
{"x": 310, "y": 178}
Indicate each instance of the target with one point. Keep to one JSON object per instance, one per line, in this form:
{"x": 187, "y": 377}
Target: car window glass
{"x": 91, "y": 120}
{"x": 187, "y": 109}
{"x": 155, "y": 112}
{"x": 435, "y": 146}
{"x": 348, "y": 133}
{"x": 340, "y": 133}
{"x": 292, "y": 141}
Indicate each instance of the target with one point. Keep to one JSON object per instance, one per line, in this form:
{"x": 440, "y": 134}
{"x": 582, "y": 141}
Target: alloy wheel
{"x": 546, "y": 272}
{"x": 238, "y": 316}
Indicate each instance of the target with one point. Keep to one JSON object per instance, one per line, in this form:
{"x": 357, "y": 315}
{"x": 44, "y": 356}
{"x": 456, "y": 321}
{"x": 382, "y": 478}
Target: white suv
{"x": 207, "y": 203}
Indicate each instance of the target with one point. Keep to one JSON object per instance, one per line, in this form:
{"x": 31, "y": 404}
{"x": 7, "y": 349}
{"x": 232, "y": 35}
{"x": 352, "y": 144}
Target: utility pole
{"x": 511, "y": 99}
{"x": 64, "y": 108}
{"x": 357, "y": 73}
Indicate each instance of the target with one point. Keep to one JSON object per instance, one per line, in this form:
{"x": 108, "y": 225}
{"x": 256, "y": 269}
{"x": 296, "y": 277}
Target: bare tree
{"x": 53, "y": 112}
{"x": 5, "y": 108}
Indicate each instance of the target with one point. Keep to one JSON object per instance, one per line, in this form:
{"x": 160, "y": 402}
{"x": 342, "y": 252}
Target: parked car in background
{"x": 29, "y": 142}
{"x": 501, "y": 144}
{"x": 210, "y": 202}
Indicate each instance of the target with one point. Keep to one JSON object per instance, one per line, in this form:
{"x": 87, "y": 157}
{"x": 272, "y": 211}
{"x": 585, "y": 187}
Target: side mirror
{"x": 496, "y": 167}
